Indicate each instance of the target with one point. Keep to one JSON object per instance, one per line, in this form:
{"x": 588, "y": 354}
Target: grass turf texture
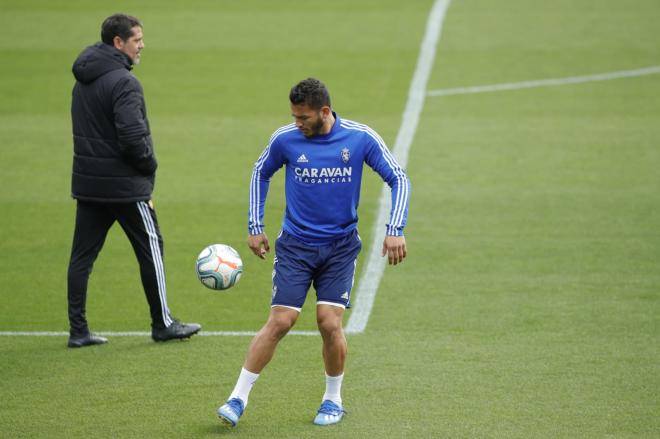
{"x": 528, "y": 306}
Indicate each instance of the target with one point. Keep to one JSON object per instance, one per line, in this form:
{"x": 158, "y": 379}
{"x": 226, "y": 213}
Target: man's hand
{"x": 395, "y": 249}
{"x": 259, "y": 244}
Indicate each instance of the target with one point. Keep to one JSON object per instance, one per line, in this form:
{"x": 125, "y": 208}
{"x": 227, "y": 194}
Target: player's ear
{"x": 325, "y": 111}
{"x": 118, "y": 42}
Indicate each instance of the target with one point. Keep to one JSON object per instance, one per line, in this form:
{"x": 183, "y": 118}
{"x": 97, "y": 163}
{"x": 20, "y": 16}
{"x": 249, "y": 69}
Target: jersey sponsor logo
{"x": 302, "y": 159}
{"x": 345, "y": 155}
{"x": 323, "y": 175}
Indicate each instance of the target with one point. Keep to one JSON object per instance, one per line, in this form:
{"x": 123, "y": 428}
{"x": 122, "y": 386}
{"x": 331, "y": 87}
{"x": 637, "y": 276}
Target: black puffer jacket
{"x": 113, "y": 157}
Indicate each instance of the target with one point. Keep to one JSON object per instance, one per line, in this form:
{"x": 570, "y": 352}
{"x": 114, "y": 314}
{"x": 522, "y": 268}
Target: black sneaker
{"x": 86, "y": 340}
{"x": 175, "y": 330}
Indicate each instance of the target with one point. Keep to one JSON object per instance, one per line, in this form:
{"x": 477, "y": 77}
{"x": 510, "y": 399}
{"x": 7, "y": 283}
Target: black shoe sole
{"x": 82, "y": 345}
{"x": 182, "y": 337}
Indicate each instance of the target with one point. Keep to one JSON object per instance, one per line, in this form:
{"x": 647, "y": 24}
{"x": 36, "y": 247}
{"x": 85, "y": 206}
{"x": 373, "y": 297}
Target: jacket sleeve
{"x": 380, "y": 159}
{"x": 132, "y": 126}
{"x": 268, "y": 163}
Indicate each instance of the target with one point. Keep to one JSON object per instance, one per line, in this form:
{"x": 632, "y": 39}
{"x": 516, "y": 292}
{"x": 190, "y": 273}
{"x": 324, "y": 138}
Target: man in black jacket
{"x": 113, "y": 176}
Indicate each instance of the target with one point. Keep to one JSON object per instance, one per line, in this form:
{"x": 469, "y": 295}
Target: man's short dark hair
{"x": 310, "y": 91}
{"x": 118, "y": 25}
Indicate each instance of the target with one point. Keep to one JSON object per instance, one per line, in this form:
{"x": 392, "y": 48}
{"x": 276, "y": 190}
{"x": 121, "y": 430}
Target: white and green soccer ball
{"x": 219, "y": 267}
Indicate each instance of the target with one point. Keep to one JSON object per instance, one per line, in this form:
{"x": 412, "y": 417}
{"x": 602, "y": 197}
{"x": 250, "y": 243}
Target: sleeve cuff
{"x": 393, "y": 231}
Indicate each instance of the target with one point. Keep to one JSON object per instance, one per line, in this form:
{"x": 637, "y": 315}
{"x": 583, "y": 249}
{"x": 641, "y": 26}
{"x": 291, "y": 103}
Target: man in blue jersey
{"x": 319, "y": 244}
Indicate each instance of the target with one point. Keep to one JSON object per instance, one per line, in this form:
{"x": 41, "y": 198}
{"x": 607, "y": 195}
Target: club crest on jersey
{"x": 345, "y": 155}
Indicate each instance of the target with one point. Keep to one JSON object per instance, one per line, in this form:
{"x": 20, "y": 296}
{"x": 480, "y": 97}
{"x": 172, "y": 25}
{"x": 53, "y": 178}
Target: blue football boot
{"x": 231, "y": 411}
{"x": 329, "y": 413}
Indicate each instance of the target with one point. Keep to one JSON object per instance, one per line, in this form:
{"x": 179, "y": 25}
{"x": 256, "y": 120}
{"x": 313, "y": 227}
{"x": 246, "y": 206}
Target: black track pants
{"x": 93, "y": 220}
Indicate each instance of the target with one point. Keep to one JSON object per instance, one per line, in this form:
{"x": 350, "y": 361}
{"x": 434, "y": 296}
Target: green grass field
{"x": 529, "y": 305}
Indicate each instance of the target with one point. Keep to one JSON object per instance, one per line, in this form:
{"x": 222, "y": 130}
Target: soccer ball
{"x": 219, "y": 267}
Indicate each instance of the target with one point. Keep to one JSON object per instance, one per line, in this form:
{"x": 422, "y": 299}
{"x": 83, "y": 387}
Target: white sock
{"x": 243, "y": 386}
{"x": 333, "y": 388}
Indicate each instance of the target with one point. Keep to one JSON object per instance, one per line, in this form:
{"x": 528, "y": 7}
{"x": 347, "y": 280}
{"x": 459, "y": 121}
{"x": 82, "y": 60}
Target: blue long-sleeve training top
{"x": 323, "y": 178}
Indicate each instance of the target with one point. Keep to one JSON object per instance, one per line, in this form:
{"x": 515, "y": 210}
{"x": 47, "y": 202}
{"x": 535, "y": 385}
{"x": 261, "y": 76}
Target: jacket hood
{"x": 97, "y": 60}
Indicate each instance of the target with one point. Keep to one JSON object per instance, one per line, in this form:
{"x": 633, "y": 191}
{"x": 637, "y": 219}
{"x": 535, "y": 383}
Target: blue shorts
{"x": 329, "y": 267}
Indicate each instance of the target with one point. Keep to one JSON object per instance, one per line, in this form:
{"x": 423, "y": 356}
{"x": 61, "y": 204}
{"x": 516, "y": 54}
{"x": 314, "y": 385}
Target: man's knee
{"x": 280, "y": 323}
{"x": 329, "y": 323}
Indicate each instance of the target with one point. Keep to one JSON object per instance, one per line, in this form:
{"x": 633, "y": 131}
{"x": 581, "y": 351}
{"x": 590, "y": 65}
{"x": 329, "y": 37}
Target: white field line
{"x": 142, "y": 333}
{"x": 373, "y": 272}
{"x": 546, "y": 82}
{"x": 368, "y": 284}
